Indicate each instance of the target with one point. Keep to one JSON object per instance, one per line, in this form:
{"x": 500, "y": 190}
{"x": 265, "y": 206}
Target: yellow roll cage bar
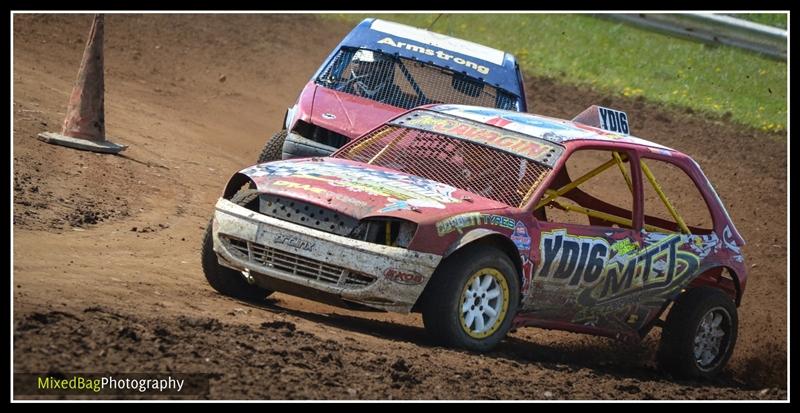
{"x": 616, "y": 159}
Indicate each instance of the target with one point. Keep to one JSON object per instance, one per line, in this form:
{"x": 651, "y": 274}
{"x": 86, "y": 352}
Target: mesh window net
{"x": 406, "y": 83}
{"x": 485, "y": 171}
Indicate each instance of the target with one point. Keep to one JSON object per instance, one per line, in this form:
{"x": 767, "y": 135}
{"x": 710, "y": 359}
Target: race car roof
{"x": 493, "y": 66}
{"x": 551, "y": 129}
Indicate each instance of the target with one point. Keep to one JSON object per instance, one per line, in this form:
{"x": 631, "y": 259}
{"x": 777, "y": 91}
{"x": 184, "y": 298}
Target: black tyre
{"x": 299, "y": 147}
{"x": 699, "y": 335}
{"x": 472, "y": 299}
{"x": 273, "y": 149}
{"x": 223, "y": 279}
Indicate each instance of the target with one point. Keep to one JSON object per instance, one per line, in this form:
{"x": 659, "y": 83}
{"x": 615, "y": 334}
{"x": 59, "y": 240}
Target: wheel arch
{"x": 482, "y": 236}
{"x": 237, "y": 181}
{"x": 722, "y": 277}
{"x": 475, "y": 239}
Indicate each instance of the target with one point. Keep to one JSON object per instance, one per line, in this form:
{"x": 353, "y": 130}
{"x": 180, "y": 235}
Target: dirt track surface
{"x": 107, "y": 273}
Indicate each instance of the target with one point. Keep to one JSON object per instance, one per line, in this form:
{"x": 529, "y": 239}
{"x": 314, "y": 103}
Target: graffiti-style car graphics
{"x": 486, "y": 220}
{"x": 381, "y": 69}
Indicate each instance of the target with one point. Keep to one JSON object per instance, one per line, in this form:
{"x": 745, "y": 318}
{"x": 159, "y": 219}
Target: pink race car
{"x": 486, "y": 220}
{"x": 382, "y": 69}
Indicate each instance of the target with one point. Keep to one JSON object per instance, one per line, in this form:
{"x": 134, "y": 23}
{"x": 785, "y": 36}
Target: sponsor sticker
{"x": 520, "y": 237}
{"x": 296, "y": 185}
{"x": 413, "y": 190}
{"x": 426, "y": 37}
{"x": 293, "y": 241}
{"x": 401, "y": 277}
{"x": 608, "y": 272}
{"x": 536, "y": 149}
{"x": 472, "y": 219}
{"x": 433, "y": 52}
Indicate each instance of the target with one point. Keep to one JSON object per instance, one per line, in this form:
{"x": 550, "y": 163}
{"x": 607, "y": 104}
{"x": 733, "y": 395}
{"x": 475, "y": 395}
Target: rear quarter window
{"x": 682, "y": 193}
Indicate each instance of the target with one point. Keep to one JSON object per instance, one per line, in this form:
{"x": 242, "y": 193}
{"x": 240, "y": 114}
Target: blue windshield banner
{"x": 492, "y": 66}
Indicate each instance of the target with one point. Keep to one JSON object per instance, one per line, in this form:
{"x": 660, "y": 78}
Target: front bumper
{"x": 269, "y": 249}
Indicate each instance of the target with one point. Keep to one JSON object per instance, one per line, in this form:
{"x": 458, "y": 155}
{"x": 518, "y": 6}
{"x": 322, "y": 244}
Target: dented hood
{"x": 360, "y": 190}
{"x": 348, "y": 114}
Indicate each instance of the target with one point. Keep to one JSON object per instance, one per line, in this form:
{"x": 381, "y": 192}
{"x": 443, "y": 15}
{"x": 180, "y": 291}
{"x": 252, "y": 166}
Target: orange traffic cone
{"x": 84, "y": 127}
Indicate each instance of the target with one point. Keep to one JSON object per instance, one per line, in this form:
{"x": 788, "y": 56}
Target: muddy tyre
{"x": 472, "y": 299}
{"x": 273, "y": 149}
{"x": 223, "y": 279}
{"x": 699, "y": 335}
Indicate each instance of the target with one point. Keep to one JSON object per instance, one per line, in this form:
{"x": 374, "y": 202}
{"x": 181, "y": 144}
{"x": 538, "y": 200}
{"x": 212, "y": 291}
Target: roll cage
{"x": 557, "y": 198}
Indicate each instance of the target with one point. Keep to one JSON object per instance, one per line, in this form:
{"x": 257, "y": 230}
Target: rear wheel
{"x": 699, "y": 335}
{"x": 223, "y": 279}
{"x": 273, "y": 149}
{"x": 472, "y": 299}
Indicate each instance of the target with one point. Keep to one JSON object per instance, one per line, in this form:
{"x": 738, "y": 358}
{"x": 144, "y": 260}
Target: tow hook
{"x": 249, "y": 278}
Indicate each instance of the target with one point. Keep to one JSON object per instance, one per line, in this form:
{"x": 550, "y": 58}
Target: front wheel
{"x": 223, "y": 279}
{"x": 472, "y": 299}
{"x": 273, "y": 149}
{"x": 699, "y": 335}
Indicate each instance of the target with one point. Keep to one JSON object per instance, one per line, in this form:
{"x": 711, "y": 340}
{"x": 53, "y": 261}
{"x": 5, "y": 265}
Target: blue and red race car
{"x": 381, "y": 69}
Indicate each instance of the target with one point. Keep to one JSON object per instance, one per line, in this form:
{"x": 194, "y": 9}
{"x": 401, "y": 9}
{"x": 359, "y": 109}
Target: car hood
{"x": 361, "y": 190}
{"x": 348, "y": 114}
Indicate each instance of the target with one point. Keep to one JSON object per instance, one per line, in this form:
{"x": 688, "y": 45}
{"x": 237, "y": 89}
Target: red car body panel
{"x": 309, "y": 182}
{"x": 592, "y": 279}
{"x": 723, "y": 243}
{"x": 344, "y": 113}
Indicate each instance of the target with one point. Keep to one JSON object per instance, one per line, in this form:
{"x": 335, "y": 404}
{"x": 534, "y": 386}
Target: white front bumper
{"x": 311, "y": 258}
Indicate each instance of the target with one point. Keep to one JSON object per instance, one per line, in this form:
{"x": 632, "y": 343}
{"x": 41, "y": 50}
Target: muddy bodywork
{"x": 272, "y": 250}
{"x": 395, "y": 277}
{"x": 364, "y": 191}
{"x": 611, "y": 281}
{"x": 600, "y": 278}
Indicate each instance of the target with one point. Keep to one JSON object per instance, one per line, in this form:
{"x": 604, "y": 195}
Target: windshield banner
{"x": 539, "y": 150}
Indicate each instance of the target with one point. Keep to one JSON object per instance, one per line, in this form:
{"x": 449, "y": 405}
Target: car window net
{"x": 406, "y": 83}
{"x": 485, "y": 171}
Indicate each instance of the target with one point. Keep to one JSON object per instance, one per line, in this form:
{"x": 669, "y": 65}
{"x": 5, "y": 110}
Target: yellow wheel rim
{"x": 484, "y": 303}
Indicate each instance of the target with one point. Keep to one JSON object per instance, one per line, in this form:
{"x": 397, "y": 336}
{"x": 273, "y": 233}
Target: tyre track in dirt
{"x": 277, "y": 360}
{"x": 196, "y": 97}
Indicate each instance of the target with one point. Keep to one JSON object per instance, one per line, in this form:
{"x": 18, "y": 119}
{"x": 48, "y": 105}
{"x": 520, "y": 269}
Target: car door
{"x": 678, "y": 230}
{"x": 587, "y": 245}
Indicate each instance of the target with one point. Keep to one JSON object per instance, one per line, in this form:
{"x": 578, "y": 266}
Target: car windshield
{"x": 406, "y": 83}
{"x": 474, "y": 157}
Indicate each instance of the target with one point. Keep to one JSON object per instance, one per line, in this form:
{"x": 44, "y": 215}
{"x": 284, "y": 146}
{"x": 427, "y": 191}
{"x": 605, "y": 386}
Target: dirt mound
{"x": 195, "y": 97}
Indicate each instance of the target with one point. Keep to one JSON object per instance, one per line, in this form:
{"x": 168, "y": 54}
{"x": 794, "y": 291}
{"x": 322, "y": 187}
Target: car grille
{"x": 307, "y": 214}
{"x": 295, "y": 264}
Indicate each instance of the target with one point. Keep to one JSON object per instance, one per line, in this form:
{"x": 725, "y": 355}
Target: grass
{"x": 619, "y": 59}
{"x": 770, "y": 19}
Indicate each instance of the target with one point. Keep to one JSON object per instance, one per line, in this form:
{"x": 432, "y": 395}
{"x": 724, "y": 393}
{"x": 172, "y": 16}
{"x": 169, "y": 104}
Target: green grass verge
{"x": 770, "y": 19}
{"x": 620, "y": 59}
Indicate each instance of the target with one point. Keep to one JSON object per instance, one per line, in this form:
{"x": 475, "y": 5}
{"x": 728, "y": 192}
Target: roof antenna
{"x": 435, "y": 20}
